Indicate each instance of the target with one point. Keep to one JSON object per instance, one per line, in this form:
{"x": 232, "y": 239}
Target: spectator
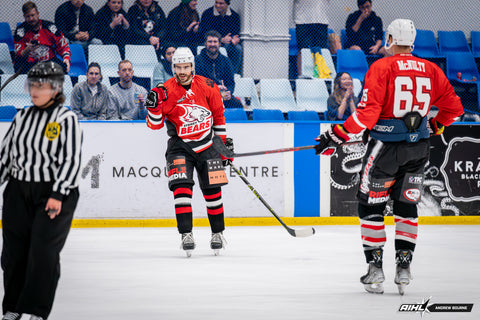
{"x": 211, "y": 64}
{"x": 183, "y": 25}
{"x": 111, "y": 25}
{"x": 126, "y": 97}
{"x": 90, "y": 98}
{"x": 38, "y": 40}
{"x": 311, "y": 26}
{"x": 163, "y": 70}
{"x": 365, "y": 30}
{"x": 342, "y": 102}
{"x": 148, "y": 24}
{"x": 225, "y": 21}
{"x": 76, "y": 20}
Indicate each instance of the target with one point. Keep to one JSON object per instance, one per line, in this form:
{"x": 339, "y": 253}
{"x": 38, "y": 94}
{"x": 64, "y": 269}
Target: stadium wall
{"x": 123, "y": 177}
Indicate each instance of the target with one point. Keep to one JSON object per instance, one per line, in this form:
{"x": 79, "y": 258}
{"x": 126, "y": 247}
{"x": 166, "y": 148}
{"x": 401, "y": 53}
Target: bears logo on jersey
{"x": 196, "y": 119}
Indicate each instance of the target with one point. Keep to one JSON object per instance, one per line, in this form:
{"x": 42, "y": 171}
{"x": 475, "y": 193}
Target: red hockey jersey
{"x": 50, "y": 41}
{"x": 197, "y": 114}
{"x": 400, "y": 84}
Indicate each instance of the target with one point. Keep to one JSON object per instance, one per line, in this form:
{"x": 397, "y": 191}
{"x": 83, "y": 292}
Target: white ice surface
{"x": 264, "y": 273}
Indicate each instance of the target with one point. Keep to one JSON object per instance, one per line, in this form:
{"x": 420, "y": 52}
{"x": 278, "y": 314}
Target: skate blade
{"x": 188, "y": 253}
{"x": 401, "y": 288}
{"x": 216, "y": 252}
{"x": 376, "y": 288}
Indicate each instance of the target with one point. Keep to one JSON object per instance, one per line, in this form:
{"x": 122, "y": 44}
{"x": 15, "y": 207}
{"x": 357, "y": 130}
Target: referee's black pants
{"x": 31, "y": 246}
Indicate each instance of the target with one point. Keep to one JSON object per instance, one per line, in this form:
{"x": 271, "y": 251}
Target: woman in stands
{"x": 342, "y": 102}
{"x": 183, "y": 25}
{"x": 111, "y": 25}
{"x": 148, "y": 24}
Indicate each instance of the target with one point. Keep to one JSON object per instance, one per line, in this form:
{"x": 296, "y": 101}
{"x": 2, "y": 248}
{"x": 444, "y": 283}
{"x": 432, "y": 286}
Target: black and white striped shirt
{"x": 43, "y": 145}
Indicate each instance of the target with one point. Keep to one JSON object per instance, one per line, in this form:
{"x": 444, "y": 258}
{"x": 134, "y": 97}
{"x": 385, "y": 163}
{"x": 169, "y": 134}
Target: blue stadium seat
{"x": 267, "y": 115}
{"x": 475, "y": 39}
{"x": 463, "y": 62}
{"x": 452, "y": 41}
{"x": 292, "y": 44}
{"x": 235, "y": 114}
{"x": 303, "y": 115}
{"x": 6, "y": 35}
{"x": 425, "y": 45}
{"x": 343, "y": 37}
{"x": 7, "y": 112}
{"x": 352, "y": 61}
{"x": 78, "y": 61}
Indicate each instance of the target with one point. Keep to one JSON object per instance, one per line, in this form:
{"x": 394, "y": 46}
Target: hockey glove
{"x": 155, "y": 99}
{"x": 331, "y": 139}
{"x": 435, "y": 127}
{"x": 229, "y": 144}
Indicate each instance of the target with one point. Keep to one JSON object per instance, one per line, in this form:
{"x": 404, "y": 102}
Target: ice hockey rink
{"x": 264, "y": 273}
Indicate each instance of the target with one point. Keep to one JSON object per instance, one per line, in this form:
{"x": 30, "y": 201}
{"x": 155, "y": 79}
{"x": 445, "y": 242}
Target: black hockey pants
{"x": 31, "y": 246}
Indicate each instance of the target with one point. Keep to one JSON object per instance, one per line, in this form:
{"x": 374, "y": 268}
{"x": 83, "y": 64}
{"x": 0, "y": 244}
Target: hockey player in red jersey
{"x": 191, "y": 107}
{"x": 397, "y": 96}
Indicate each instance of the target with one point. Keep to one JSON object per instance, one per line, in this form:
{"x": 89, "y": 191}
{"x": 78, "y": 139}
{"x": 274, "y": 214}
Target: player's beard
{"x": 184, "y": 79}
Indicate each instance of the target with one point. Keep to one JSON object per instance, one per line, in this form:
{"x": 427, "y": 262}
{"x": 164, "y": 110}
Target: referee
{"x": 40, "y": 158}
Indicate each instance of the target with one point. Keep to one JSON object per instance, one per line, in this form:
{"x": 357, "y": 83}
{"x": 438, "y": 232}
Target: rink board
{"x": 124, "y": 174}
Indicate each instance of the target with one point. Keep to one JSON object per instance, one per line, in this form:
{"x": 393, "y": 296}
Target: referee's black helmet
{"x": 47, "y": 71}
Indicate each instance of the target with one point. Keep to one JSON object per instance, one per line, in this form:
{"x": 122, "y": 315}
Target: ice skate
{"x": 188, "y": 243}
{"x": 11, "y": 316}
{"x": 217, "y": 242}
{"x": 373, "y": 280}
{"x": 402, "y": 273}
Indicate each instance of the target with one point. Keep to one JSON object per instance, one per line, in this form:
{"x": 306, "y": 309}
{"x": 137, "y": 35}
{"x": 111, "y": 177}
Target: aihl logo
{"x": 414, "y": 307}
{"x": 424, "y": 306}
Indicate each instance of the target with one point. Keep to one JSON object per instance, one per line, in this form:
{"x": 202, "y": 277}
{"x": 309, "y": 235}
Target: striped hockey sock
{"x": 213, "y": 199}
{"x": 406, "y": 230}
{"x": 373, "y": 234}
{"x": 183, "y": 208}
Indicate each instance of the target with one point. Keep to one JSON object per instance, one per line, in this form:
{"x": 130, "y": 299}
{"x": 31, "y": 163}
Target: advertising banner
{"x": 452, "y": 176}
{"x": 124, "y": 172}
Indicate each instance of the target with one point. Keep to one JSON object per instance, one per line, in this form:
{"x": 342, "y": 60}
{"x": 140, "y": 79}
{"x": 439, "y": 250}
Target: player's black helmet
{"x": 47, "y": 71}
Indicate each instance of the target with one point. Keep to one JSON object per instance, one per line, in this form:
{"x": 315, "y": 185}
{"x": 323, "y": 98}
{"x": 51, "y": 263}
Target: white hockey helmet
{"x": 402, "y": 31}
{"x": 183, "y": 55}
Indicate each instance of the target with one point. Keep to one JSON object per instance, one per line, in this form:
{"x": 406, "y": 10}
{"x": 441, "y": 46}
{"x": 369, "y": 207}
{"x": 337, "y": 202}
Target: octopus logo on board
{"x": 461, "y": 169}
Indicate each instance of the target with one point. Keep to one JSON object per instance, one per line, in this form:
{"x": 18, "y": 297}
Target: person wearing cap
{"x": 393, "y": 114}
{"x": 40, "y": 158}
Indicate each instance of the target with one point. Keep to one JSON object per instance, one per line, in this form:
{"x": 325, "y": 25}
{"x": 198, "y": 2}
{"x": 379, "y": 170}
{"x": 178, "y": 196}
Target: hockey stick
{"x": 295, "y": 233}
{"x": 224, "y": 151}
{"x": 11, "y": 78}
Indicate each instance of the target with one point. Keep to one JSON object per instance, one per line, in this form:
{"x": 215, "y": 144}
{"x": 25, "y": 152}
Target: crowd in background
{"x": 146, "y": 23}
